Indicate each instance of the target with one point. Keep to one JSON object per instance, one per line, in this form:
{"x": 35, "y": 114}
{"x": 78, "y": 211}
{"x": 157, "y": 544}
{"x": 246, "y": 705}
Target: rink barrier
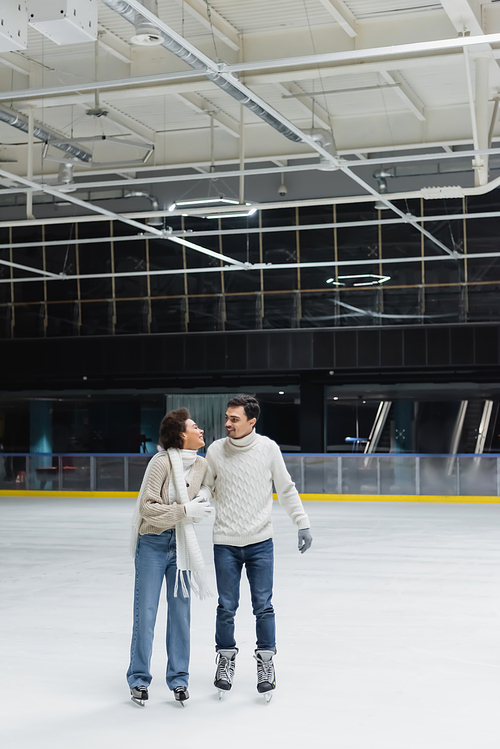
{"x": 438, "y": 498}
{"x": 340, "y": 477}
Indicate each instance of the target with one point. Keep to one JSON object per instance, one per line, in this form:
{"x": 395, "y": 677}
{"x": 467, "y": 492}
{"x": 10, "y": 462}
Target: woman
{"x": 164, "y": 545}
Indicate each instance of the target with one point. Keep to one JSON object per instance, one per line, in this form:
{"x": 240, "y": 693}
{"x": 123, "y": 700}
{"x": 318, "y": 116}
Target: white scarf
{"x": 190, "y": 564}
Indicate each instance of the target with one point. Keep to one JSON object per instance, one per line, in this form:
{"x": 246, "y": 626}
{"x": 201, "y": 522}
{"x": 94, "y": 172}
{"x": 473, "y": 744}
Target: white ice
{"x": 388, "y": 634}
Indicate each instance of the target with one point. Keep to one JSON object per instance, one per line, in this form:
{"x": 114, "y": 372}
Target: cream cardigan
{"x": 157, "y": 515}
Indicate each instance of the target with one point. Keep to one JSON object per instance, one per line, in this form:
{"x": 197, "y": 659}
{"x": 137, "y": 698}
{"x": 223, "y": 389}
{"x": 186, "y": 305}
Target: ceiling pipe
{"x": 125, "y": 10}
{"x": 153, "y": 220}
{"x": 17, "y": 120}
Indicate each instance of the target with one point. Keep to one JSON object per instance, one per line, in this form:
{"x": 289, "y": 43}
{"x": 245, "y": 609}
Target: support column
{"x": 312, "y": 417}
{"x": 41, "y": 427}
{"x": 480, "y": 163}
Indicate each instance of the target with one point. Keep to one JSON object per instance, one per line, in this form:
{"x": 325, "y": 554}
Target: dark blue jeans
{"x": 258, "y": 560}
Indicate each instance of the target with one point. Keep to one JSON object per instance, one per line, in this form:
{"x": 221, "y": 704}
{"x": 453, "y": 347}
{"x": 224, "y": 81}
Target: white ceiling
{"x": 396, "y": 102}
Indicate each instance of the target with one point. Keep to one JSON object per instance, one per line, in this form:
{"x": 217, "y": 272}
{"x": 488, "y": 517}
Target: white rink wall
{"x": 387, "y": 633}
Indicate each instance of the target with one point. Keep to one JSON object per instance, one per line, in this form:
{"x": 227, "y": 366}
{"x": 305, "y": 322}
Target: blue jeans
{"x": 156, "y": 559}
{"x": 259, "y": 562}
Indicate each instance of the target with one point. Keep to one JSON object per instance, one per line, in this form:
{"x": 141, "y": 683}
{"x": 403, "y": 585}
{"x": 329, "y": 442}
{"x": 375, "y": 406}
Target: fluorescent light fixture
{"x": 233, "y": 215}
{"x": 203, "y": 202}
{"x": 373, "y": 279}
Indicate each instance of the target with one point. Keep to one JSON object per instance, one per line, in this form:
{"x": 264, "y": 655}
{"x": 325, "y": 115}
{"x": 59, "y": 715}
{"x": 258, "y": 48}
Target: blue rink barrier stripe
{"x": 437, "y": 498}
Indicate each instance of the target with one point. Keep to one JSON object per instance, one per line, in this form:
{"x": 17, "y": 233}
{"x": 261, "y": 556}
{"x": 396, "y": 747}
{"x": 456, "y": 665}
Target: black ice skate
{"x": 139, "y": 695}
{"x": 224, "y": 675}
{"x": 181, "y": 694}
{"x": 266, "y": 679}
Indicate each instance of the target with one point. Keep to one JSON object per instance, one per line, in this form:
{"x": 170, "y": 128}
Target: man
{"x": 242, "y": 468}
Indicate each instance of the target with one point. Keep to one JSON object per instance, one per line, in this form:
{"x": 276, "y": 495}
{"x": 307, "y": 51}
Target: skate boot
{"x": 139, "y": 695}
{"x": 266, "y": 680}
{"x": 224, "y": 675}
{"x": 181, "y": 694}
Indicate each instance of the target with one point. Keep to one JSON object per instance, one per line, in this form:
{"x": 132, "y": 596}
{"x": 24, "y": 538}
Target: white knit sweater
{"x": 242, "y": 473}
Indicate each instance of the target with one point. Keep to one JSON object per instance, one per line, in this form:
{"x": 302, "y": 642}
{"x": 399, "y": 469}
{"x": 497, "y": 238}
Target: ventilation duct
{"x": 126, "y": 11}
{"x": 154, "y": 220}
{"x": 39, "y": 131}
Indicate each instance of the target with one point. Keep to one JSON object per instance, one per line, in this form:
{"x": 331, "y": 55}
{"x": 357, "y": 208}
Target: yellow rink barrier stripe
{"x": 306, "y": 497}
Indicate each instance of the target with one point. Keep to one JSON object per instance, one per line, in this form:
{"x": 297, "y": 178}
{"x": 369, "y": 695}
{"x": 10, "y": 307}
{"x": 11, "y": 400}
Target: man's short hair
{"x": 249, "y": 403}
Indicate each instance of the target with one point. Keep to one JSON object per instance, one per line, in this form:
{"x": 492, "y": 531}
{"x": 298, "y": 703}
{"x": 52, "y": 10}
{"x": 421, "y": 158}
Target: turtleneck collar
{"x": 188, "y": 457}
{"x": 244, "y": 442}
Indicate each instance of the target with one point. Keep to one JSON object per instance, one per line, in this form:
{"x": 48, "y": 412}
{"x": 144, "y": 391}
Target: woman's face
{"x": 193, "y": 436}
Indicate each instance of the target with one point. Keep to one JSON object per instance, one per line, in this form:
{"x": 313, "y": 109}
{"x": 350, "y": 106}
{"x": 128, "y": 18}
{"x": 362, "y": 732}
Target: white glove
{"x": 198, "y": 509}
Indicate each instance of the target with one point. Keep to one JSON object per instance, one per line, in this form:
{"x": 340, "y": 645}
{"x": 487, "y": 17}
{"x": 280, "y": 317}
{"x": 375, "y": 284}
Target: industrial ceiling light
{"x": 373, "y": 279}
{"x": 204, "y": 202}
{"x": 243, "y": 210}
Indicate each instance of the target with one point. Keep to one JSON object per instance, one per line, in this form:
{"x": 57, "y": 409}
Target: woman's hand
{"x": 198, "y": 509}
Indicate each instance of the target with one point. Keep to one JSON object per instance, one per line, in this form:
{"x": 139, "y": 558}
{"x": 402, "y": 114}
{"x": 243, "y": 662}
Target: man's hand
{"x": 305, "y": 539}
{"x": 198, "y": 509}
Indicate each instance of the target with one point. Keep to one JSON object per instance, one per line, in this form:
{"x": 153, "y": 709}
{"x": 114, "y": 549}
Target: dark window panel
{"x": 401, "y": 307}
{"x": 443, "y": 305}
{"x": 62, "y": 319}
{"x": 279, "y": 248}
{"x": 28, "y": 321}
{"x": 5, "y": 321}
{"x": 239, "y": 281}
{"x": 96, "y": 318}
{"x": 483, "y": 269}
{"x": 164, "y": 255}
{"x": 131, "y": 317}
{"x": 483, "y": 303}
{"x": 5, "y": 272}
{"x": 242, "y": 313}
{"x": 242, "y": 247}
{"x": 205, "y": 283}
{"x": 130, "y": 257}
{"x": 319, "y": 310}
{"x": 280, "y": 311}
{"x": 167, "y": 315}
{"x": 205, "y": 314}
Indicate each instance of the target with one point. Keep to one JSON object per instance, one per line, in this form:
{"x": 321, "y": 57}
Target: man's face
{"x": 237, "y": 424}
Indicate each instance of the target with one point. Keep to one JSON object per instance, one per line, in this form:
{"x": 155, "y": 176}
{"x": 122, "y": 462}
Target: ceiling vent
{"x": 64, "y": 21}
{"x": 13, "y": 25}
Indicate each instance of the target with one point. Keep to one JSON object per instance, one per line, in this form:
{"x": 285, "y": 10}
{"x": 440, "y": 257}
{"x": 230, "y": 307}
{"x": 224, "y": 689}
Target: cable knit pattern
{"x": 242, "y": 472}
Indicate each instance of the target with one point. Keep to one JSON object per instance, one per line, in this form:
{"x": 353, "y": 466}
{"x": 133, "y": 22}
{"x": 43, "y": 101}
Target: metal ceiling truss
{"x": 225, "y": 77}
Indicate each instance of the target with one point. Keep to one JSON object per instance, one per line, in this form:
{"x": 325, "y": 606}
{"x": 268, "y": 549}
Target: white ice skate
{"x": 224, "y": 675}
{"x": 139, "y": 695}
{"x": 266, "y": 679}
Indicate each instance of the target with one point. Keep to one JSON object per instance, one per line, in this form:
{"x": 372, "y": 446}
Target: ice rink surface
{"x": 388, "y": 633}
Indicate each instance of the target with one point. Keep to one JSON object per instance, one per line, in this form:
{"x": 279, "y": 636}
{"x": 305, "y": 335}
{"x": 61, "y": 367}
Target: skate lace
{"x": 225, "y": 668}
{"x": 265, "y": 671}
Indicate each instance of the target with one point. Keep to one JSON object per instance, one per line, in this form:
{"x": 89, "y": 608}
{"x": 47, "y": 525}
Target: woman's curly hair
{"x": 172, "y": 426}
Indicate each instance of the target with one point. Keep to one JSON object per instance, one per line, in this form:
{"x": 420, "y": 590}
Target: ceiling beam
{"x": 462, "y": 16}
{"x": 142, "y": 131}
{"x": 222, "y": 29}
{"x": 16, "y": 62}
{"x": 405, "y": 93}
{"x": 341, "y": 13}
{"x": 114, "y": 45}
{"x": 307, "y": 103}
{"x": 203, "y": 106}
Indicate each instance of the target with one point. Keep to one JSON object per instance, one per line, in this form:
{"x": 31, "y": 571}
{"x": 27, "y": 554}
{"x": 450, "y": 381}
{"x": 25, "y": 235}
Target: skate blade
{"x": 268, "y": 697}
{"x": 221, "y": 692}
{"x": 136, "y": 701}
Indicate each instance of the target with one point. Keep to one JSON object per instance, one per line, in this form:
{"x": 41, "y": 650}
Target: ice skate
{"x": 224, "y": 675}
{"x": 181, "y": 694}
{"x": 139, "y": 695}
{"x": 266, "y": 680}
